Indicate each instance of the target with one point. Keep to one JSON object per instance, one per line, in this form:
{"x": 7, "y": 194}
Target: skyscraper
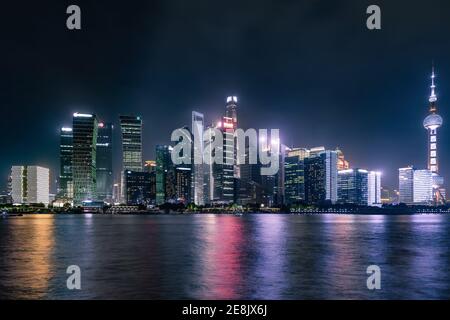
{"x": 321, "y": 176}
{"x": 183, "y": 181}
{"x": 30, "y": 184}
{"x": 231, "y": 109}
{"x": 65, "y": 168}
{"x": 374, "y": 189}
{"x": 341, "y": 162}
{"x": 198, "y": 167}
{"x": 406, "y": 185}
{"x": 294, "y": 176}
{"x": 415, "y": 186}
{"x": 165, "y": 175}
{"x": 137, "y": 187}
{"x": 104, "y": 162}
{"x": 131, "y": 128}
{"x": 150, "y": 167}
{"x": 84, "y": 157}
{"x": 423, "y": 187}
{"x": 352, "y": 186}
{"x": 223, "y": 183}
{"x": 431, "y": 123}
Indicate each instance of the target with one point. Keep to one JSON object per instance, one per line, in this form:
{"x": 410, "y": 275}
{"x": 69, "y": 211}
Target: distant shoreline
{"x": 309, "y": 213}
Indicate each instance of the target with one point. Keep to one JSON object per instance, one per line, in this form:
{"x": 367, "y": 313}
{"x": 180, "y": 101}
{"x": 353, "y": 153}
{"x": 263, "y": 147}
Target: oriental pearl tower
{"x": 431, "y": 123}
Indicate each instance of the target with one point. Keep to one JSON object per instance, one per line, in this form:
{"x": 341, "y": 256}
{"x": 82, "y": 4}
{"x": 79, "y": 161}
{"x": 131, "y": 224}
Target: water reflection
{"x": 26, "y": 248}
{"x": 220, "y": 258}
{"x": 225, "y": 257}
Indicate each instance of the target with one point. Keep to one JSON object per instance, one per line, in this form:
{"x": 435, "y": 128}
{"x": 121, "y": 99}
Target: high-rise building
{"x": 342, "y": 164}
{"x": 432, "y": 123}
{"x": 231, "y": 113}
{"x": 374, "y": 189}
{"x": 415, "y": 186}
{"x": 223, "y": 174}
{"x": 231, "y": 109}
{"x": 198, "y": 167}
{"x": 104, "y": 162}
{"x": 30, "y": 184}
{"x": 320, "y": 176}
{"x": 423, "y": 187}
{"x": 165, "y": 175}
{"x": 137, "y": 188}
{"x": 84, "y": 157}
{"x": 65, "y": 168}
{"x": 352, "y": 186}
{"x": 406, "y": 185}
{"x": 131, "y": 128}
{"x": 150, "y": 167}
{"x": 294, "y": 177}
{"x": 183, "y": 180}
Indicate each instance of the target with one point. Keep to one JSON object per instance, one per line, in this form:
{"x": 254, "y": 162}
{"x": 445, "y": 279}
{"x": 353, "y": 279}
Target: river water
{"x": 225, "y": 257}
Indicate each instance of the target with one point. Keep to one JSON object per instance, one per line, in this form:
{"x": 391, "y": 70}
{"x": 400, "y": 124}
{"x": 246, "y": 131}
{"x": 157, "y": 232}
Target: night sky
{"x": 310, "y": 68}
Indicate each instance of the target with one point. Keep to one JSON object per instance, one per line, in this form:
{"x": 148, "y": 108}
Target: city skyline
{"x": 352, "y": 100}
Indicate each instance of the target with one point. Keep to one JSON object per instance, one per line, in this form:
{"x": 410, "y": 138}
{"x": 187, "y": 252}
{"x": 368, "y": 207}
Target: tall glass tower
{"x": 131, "y": 127}
{"x": 65, "y": 159}
{"x": 431, "y": 123}
{"x": 104, "y": 162}
{"x": 198, "y": 166}
{"x": 84, "y": 158}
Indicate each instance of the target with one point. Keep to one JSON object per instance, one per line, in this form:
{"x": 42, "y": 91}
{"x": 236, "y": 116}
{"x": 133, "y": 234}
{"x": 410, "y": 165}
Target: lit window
{"x": 433, "y": 146}
{"x": 433, "y": 168}
{"x": 433, "y": 160}
{"x": 433, "y": 138}
{"x": 432, "y": 153}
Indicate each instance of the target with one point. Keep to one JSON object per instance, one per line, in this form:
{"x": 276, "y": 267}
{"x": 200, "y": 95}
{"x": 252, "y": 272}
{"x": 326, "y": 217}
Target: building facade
{"x": 137, "y": 188}
{"x": 105, "y": 162}
{"x": 415, "y": 186}
{"x": 131, "y": 129}
{"x": 30, "y": 185}
{"x": 84, "y": 166}
{"x": 352, "y": 187}
{"x": 374, "y": 189}
{"x": 198, "y": 167}
{"x": 65, "y": 189}
{"x": 320, "y": 169}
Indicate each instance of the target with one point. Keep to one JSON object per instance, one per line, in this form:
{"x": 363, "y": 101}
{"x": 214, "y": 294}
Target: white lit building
{"x": 423, "y": 187}
{"x": 374, "y": 189}
{"x": 415, "y": 186}
{"x": 30, "y": 184}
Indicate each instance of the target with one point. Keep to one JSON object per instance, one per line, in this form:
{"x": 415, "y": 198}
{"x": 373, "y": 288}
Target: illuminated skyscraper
{"x": 294, "y": 175}
{"x": 65, "y": 168}
{"x": 198, "y": 167}
{"x": 341, "y": 162}
{"x": 352, "y": 186}
{"x": 231, "y": 111}
{"x": 223, "y": 184}
{"x": 374, "y": 189}
{"x": 415, "y": 186}
{"x": 104, "y": 162}
{"x": 320, "y": 176}
{"x": 431, "y": 123}
{"x": 165, "y": 175}
{"x": 131, "y": 127}
{"x": 84, "y": 157}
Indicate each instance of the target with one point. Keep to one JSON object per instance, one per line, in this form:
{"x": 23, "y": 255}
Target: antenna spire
{"x": 433, "y": 97}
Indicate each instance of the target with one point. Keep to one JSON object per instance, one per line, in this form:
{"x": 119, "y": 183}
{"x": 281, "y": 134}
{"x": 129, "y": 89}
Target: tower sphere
{"x": 433, "y": 121}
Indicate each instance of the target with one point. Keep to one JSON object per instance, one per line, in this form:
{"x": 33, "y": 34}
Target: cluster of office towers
{"x": 306, "y": 176}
